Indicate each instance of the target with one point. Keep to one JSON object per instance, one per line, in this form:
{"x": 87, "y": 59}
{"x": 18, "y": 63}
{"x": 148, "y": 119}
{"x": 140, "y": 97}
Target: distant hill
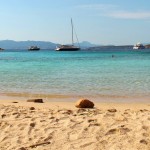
{"x": 86, "y": 44}
{"x": 146, "y": 43}
{"x": 111, "y": 47}
{"x": 147, "y": 46}
{"x": 10, "y": 44}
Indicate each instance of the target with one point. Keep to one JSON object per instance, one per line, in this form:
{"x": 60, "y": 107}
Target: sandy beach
{"x": 62, "y": 126}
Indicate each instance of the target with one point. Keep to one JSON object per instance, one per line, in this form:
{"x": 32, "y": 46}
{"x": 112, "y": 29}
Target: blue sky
{"x": 97, "y": 21}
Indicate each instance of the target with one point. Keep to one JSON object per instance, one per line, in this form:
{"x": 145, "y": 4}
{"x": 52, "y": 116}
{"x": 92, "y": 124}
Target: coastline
{"x": 71, "y": 105}
{"x": 60, "y": 125}
{"x": 71, "y": 98}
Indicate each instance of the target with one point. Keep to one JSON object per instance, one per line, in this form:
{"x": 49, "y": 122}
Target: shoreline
{"x": 72, "y": 98}
{"x": 71, "y": 105}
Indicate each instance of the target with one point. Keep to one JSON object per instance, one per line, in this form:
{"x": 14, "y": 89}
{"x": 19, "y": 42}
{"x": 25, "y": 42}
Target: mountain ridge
{"x": 11, "y": 44}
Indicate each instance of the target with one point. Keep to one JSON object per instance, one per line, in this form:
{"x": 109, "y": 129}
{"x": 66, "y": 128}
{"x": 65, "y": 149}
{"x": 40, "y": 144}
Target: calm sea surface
{"x": 75, "y": 74}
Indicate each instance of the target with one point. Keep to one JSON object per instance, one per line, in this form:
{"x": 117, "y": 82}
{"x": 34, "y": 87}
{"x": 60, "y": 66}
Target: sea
{"x": 100, "y": 75}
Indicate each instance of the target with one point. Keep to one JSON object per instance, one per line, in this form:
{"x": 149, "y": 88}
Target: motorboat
{"x": 34, "y": 48}
{"x": 138, "y": 46}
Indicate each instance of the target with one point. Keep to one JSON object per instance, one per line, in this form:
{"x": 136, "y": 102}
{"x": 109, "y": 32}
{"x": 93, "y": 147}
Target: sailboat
{"x": 69, "y": 47}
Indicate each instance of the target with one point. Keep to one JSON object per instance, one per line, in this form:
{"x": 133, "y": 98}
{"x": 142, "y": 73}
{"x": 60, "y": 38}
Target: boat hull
{"x": 34, "y": 49}
{"x": 68, "y": 49}
{"x": 138, "y": 47}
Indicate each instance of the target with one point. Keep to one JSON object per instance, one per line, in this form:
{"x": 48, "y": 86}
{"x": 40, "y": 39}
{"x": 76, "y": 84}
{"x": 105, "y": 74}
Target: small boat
{"x": 71, "y": 47}
{"x": 1, "y": 49}
{"x": 138, "y": 46}
{"x": 33, "y": 48}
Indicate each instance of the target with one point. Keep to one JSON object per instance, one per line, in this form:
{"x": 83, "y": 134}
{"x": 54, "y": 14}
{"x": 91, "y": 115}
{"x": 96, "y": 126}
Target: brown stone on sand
{"x": 22, "y": 148}
{"x": 112, "y": 110}
{"x": 32, "y": 108}
{"x": 35, "y": 100}
{"x": 84, "y": 103}
{"x": 32, "y": 124}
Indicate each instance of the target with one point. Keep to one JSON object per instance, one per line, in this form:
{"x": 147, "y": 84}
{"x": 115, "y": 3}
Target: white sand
{"x": 61, "y": 126}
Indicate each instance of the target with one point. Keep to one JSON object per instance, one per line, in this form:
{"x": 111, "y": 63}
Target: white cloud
{"x": 98, "y": 6}
{"x": 110, "y": 10}
{"x": 129, "y": 15}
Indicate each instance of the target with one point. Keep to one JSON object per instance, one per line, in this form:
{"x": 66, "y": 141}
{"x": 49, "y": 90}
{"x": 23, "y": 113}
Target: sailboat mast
{"x": 72, "y": 31}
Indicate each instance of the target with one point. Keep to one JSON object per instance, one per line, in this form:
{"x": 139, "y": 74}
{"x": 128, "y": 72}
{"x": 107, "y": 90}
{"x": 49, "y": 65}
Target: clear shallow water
{"x": 81, "y": 73}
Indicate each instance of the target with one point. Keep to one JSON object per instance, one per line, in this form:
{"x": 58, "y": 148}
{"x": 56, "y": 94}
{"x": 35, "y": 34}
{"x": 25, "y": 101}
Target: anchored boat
{"x": 33, "y": 48}
{"x": 138, "y": 46}
{"x": 71, "y": 47}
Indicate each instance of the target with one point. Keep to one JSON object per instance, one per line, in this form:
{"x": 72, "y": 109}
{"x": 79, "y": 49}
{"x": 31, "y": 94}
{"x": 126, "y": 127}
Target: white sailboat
{"x": 71, "y": 47}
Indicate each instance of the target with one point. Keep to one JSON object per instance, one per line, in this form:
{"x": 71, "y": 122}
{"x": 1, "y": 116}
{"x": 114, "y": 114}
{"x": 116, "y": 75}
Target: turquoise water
{"x": 80, "y": 73}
